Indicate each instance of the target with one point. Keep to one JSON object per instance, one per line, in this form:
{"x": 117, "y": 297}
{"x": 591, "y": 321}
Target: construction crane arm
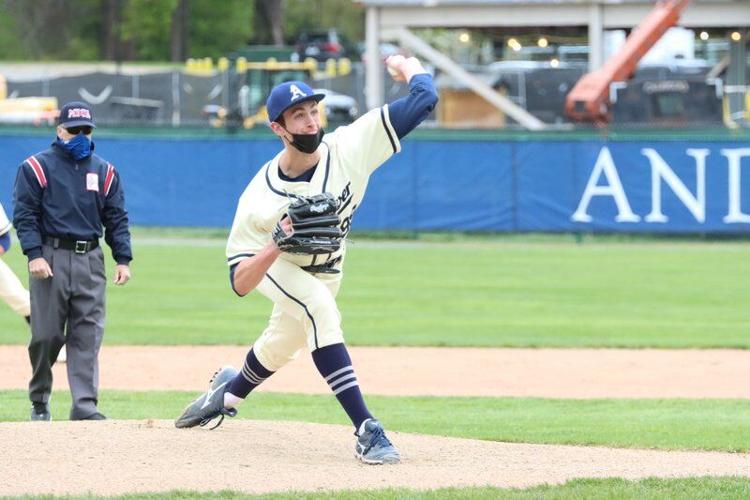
{"x": 589, "y": 99}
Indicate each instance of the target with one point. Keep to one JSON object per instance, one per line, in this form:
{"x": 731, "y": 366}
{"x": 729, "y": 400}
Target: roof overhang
{"x": 517, "y": 13}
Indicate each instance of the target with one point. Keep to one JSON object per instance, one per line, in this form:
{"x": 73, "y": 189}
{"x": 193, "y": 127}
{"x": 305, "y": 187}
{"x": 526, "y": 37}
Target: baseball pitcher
{"x": 288, "y": 242}
{"x": 11, "y": 289}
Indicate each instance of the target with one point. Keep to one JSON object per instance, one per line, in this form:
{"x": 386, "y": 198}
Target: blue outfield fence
{"x": 660, "y": 186}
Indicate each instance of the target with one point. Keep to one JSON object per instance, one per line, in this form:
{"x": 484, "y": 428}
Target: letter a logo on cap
{"x": 296, "y": 92}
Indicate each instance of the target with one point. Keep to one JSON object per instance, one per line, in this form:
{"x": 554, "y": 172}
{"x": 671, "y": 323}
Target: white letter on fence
{"x": 734, "y": 159}
{"x": 660, "y": 170}
{"x": 605, "y": 164}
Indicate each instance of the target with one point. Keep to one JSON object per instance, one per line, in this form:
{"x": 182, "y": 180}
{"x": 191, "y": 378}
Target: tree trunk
{"x": 275, "y": 14}
{"x": 269, "y": 22}
{"x": 179, "y": 36}
{"x": 111, "y": 18}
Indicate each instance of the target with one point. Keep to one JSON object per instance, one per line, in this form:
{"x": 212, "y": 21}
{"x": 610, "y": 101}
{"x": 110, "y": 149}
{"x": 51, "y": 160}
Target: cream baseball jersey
{"x": 349, "y": 155}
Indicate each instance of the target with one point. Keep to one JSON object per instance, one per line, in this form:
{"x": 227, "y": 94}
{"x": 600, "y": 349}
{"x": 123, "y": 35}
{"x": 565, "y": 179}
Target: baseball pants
{"x": 304, "y": 313}
{"x": 68, "y": 308}
{"x": 13, "y": 292}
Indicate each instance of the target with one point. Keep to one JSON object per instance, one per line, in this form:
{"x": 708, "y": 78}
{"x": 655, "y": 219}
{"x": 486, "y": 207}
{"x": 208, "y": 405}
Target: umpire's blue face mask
{"x": 79, "y": 147}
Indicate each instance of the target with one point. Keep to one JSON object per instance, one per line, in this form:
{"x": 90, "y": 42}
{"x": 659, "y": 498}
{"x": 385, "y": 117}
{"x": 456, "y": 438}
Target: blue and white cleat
{"x": 373, "y": 447}
{"x": 210, "y": 404}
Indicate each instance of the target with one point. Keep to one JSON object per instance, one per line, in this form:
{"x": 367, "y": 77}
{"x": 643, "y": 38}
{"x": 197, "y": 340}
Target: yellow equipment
{"x": 257, "y": 80}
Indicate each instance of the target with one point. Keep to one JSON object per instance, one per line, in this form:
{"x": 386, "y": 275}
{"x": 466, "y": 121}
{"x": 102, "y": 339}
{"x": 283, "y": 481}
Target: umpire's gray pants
{"x": 72, "y": 300}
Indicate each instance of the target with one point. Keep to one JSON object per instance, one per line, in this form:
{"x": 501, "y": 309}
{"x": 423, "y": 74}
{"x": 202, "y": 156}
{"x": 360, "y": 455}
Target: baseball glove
{"x": 315, "y": 225}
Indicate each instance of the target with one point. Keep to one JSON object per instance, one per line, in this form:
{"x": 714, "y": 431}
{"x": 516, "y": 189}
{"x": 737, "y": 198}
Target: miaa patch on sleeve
{"x": 92, "y": 182}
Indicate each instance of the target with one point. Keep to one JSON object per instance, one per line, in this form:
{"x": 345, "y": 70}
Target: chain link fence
{"x": 657, "y": 96}
{"x": 176, "y": 98}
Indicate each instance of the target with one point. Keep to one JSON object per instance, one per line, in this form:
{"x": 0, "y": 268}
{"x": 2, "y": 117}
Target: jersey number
{"x": 346, "y": 223}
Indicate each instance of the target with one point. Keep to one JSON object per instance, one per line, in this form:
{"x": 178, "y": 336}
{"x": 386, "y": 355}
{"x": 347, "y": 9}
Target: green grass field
{"x": 513, "y": 291}
{"x": 693, "y": 488}
{"x": 722, "y": 425}
{"x": 474, "y": 292}
{"x": 647, "y": 489}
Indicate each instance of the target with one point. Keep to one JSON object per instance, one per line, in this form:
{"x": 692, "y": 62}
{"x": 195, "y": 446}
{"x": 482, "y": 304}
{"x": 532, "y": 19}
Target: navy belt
{"x": 78, "y": 246}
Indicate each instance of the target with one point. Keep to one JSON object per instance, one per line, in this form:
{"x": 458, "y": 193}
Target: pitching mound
{"x": 117, "y": 457}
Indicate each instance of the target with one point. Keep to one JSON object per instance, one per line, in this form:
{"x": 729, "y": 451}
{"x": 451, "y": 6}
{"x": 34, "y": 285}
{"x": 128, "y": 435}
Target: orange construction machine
{"x": 589, "y": 99}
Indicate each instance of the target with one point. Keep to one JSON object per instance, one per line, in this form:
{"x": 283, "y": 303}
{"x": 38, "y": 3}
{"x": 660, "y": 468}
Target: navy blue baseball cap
{"x": 288, "y": 94}
{"x": 76, "y": 114}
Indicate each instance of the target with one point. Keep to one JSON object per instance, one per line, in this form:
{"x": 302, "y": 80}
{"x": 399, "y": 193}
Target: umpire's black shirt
{"x": 57, "y": 196}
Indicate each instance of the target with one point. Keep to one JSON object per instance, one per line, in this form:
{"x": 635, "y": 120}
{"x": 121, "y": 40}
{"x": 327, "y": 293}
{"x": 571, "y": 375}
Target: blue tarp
{"x": 574, "y": 185}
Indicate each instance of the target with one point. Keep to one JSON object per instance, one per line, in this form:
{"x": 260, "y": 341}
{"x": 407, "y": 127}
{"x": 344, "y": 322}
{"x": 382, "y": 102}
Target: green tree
{"x": 149, "y": 33}
{"x": 214, "y": 28}
{"x": 10, "y": 36}
{"x": 49, "y": 29}
{"x": 145, "y": 30}
{"x": 147, "y": 26}
{"x": 344, "y": 15}
{"x": 217, "y": 28}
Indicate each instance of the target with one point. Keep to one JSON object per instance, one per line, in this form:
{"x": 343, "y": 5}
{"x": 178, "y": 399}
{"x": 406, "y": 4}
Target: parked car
{"x": 340, "y": 108}
{"x": 323, "y": 45}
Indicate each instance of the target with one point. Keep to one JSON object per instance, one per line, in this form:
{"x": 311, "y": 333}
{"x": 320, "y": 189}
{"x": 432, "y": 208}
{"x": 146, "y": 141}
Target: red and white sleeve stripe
{"x": 38, "y": 171}
{"x": 109, "y": 178}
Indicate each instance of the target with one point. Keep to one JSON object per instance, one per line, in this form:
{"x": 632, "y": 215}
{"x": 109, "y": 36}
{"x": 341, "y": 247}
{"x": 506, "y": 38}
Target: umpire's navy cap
{"x": 76, "y": 114}
{"x": 287, "y": 94}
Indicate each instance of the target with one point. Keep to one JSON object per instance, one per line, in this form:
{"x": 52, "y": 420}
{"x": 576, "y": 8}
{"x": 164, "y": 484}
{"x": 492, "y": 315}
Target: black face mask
{"x": 307, "y": 143}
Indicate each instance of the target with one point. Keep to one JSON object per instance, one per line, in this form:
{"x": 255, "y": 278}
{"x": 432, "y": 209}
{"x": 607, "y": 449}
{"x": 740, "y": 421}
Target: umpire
{"x": 63, "y": 196}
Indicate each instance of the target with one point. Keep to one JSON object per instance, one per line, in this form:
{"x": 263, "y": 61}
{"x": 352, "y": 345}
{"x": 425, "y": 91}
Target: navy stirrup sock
{"x": 250, "y": 377}
{"x": 335, "y": 365}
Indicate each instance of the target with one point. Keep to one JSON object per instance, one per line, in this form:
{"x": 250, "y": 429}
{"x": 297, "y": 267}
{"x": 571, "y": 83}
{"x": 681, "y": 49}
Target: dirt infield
{"x": 116, "y": 457}
{"x": 554, "y": 373}
{"x": 107, "y": 458}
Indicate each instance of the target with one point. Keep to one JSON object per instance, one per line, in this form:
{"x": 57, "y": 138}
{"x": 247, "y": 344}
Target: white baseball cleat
{"x": 209, "y": 405}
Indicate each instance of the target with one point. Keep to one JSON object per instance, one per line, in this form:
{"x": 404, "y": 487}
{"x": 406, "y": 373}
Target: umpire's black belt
{"x": 78, "y": 246}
